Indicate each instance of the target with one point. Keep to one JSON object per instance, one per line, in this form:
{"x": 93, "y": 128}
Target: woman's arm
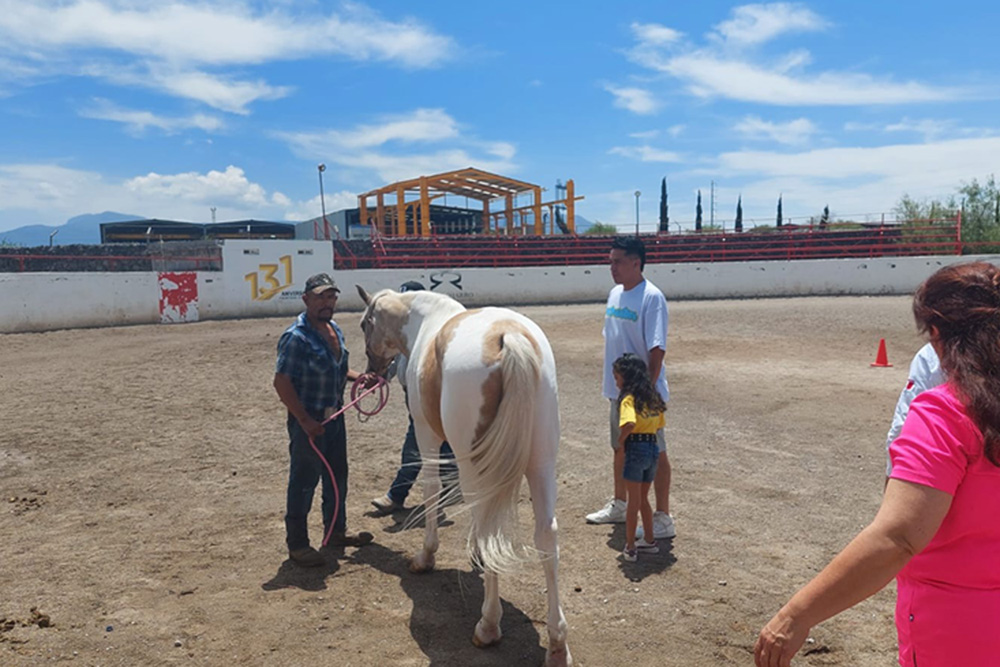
{"x": 906, "y": 522}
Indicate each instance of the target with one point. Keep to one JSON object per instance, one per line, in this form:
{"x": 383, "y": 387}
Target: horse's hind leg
{"x": 423, "y": 560}
{"x": 541, "y": 481}
{"x": 488, "y": 628}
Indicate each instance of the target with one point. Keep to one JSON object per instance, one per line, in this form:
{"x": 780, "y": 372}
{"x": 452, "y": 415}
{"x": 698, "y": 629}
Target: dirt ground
{"x": 143, "y": 470}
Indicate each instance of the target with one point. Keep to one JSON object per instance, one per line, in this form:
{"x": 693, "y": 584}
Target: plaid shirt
{"x": 305, "y": 357}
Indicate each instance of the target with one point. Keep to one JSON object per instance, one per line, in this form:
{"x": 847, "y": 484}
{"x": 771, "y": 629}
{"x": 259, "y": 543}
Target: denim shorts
{"x": 616, "y": 430}
{"x": 640, "y": 461}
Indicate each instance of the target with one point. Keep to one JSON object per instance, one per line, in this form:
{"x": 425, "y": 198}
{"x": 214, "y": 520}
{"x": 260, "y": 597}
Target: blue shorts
{"x": 640, "y": 461}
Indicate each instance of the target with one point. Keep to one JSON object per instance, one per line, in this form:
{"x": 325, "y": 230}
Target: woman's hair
{"x": 635, "y": 376}
{"x": 962, "y": 302}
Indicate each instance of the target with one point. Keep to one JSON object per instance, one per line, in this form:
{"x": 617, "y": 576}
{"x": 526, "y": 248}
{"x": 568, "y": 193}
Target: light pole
{"x": 322, "y": 200}
{"x": 637, "y": 194}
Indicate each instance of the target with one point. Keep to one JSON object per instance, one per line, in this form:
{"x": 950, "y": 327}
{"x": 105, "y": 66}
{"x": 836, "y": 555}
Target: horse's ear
{"x": 364, "y": 295}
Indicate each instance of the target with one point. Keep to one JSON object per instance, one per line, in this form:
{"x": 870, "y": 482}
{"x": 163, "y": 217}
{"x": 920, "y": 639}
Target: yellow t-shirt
{"x": 644, "y": 423}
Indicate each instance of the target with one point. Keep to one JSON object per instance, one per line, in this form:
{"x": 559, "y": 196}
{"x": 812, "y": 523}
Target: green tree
{"x": 697, "y": 214}
{"x": 664, "y": 209}
{"x": 909, "y": 210}
{"x": 601, "y": 229}
{"x": 738, "y": 225}
{"x": 778, "y": 221}
{"x": 979, "y": 214}
{"x": 824, "y": 219}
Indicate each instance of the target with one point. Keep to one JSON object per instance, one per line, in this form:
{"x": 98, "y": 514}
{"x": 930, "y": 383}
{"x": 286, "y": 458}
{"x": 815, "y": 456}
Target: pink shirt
{"x": 948, "y": 607}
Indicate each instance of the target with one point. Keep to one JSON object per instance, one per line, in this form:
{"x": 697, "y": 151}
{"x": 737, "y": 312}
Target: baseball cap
{"x": 320, "y": 283}
{"x": 411, "y": 286}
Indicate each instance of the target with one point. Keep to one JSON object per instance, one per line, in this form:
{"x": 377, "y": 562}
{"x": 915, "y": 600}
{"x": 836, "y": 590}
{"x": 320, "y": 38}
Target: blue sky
{"x": 167, "y": 109}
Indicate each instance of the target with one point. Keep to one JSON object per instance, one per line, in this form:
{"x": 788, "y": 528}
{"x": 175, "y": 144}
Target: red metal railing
{"x": 24, "y": 262}
{"x": 790, "y": 243}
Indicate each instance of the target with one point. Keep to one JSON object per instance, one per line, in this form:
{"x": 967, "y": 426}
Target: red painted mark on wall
{"x": 178, "y": 297}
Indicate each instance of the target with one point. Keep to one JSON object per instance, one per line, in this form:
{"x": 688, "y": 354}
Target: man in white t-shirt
{"x": 635, "y": 321}
{"x": 925, "y": 373}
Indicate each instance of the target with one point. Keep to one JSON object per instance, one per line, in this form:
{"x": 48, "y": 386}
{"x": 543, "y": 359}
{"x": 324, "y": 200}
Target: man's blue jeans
{"x": 305, "y": 472}
{"x": 411, "y": 464}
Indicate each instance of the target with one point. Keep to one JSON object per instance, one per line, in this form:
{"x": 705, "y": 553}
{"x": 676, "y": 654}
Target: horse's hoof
{"x": 420, "y": 565}
{"x": 560, "y": 658}
{"x": 483, "y": 639}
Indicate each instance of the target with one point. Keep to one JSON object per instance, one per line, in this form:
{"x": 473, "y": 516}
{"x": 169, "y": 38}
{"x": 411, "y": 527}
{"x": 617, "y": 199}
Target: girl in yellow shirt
{"x": 640, "y": 410}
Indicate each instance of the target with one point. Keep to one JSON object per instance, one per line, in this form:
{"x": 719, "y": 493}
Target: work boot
{"x": 350, "y": 539}
{"x": 307, "y": 557}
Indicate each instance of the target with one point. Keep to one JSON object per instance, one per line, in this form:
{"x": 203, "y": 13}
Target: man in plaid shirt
{"x": 310, "y": 376}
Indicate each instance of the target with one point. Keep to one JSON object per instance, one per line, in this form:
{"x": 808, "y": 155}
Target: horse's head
{"x": 385, "y": 316}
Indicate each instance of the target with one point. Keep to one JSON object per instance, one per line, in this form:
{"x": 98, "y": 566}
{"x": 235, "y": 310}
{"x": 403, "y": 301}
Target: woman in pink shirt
{"x": 938, "y": 529}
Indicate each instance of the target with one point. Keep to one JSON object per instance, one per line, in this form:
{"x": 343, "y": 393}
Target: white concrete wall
{"x": 45, "y": 301}
{"x": 723, "y": 280}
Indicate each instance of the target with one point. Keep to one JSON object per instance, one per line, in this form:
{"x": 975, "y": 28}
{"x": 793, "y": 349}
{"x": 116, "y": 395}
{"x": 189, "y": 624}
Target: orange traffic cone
{"x": 882, "y": 359}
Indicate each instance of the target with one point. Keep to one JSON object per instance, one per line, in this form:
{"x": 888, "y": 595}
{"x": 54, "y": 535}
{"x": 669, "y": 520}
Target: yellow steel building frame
{"x": 483, "y": 186}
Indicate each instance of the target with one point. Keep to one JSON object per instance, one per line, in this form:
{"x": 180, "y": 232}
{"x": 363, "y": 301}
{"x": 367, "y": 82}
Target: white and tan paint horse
{"x": 485, "y": 381}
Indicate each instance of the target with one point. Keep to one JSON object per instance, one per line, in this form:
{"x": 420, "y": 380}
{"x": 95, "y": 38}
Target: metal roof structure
{"x": 402, "y": 217}
{"x": 173, "y": 230}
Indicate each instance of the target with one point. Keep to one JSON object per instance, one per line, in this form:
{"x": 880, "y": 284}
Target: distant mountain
{"x": 582, "y": 224}
{"x": 83, "y": 229}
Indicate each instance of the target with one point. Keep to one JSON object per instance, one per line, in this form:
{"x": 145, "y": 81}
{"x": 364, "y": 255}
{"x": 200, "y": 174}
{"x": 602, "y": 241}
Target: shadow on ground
{"x": 648, "y": 564}
{"x": 446, "y": 608}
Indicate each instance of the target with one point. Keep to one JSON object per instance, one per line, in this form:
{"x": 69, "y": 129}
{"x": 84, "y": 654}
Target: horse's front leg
{"x": 423, "y": 560}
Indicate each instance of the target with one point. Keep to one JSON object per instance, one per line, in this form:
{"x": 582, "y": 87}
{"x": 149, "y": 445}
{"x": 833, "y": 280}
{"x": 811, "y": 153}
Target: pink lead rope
{"x": 383, "y": 397}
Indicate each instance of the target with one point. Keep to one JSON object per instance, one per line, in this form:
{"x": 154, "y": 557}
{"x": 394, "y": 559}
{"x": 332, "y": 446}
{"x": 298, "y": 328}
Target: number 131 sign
{"x": 270, "y": 279}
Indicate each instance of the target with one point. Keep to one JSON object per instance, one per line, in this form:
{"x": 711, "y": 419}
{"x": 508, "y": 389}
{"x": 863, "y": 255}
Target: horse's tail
{"x": 500, "y": 457}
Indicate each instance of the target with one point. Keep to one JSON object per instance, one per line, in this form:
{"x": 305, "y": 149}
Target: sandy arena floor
{"x": 142, "y": 472}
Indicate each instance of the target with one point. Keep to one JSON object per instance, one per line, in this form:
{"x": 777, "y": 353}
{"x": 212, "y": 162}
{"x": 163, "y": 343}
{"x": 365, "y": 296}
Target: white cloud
{"x": 229, "y": 185}
{"x": 857, "y": 180}
{"x": 216, "y": 33}
{"x": 709, "y": 76}
{"x": 220, "y": 92}
{"x": 929, "y": 128}
{"x": 654, "y": 33}
{"x": 183, "y": 48}
{"x": 313, "y": 208}
{"x": 758, "y": 23}
{"x": 216, "y": 91}
{"x": 51, "y": 193}
{"x": 942, "y": 161}
{"x": 421, "y": 125}
{"x": 635, "y": 100}
{"x": 389, "y": 147}
{"x": 646, "y": 154}
{"x": 794, "y": 132}
{"x": 138, "y": 121}
{"x": 649, "y": 134}
{"x": 676, "y": 130}
{"x": 726, "y": 67}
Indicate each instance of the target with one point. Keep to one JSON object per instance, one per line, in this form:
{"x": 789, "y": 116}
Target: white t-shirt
{"x": 925, "y": 373}
{"x": 635, "y": 321}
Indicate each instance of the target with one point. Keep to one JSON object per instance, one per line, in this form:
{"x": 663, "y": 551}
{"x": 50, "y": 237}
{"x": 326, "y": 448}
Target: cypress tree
{"x": 779, "y": 211}
{"x": 739, "y": 214}
{"x": 697, "y": 214}
{"x": 664, "y": 210}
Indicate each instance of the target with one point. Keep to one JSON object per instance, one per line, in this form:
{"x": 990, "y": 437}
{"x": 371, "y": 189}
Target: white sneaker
{"x": 663, "y": 527}
{"x": 613, "y": 512}
{"x": 647, "y": 547}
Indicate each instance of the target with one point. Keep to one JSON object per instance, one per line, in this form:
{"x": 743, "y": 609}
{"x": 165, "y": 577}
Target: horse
{"x": 484, "y": 381}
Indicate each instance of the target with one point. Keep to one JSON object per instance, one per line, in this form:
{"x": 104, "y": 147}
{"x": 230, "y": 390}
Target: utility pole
{"x": 322, "y": 200}
{"x": 637, "y": 194}
{"x": 711, "y": 206}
